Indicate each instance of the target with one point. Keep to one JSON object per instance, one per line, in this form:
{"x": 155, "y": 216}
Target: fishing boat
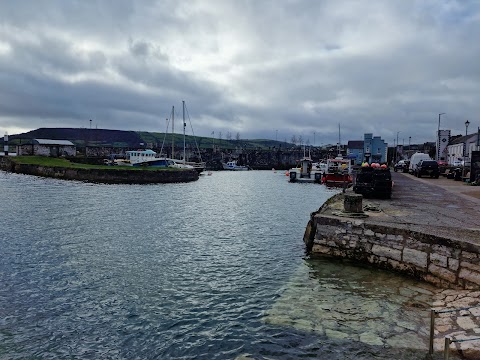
{"x": 232, "y": 165}
{"x": 307, "y": 170}
{"x": 339, "y": 170}
{"x": 339, "y": 173}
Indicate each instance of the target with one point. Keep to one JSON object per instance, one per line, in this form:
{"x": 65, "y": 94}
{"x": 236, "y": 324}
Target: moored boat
{"x": 307, "y": 171}
{"x": 338, "y": 173}
{"x": 149, "y": 157}
{"x": 232, "y": 165}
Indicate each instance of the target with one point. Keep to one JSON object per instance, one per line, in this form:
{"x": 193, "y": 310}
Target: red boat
{"x": 338, "y": 173}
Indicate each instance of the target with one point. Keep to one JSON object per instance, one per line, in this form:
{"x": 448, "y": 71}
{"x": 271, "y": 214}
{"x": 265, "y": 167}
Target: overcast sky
{"x": 260, "y": 68}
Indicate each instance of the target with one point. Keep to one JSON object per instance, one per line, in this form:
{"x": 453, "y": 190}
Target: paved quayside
{"x": 430, "y": 229}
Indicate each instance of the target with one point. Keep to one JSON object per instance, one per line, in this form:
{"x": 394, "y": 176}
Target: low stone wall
{"x": 108, "y": 176}
{"x": 441, "y": 261}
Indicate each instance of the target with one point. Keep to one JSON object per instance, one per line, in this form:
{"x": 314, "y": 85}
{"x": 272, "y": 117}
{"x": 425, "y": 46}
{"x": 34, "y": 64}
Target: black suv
{"x": 427, "y": 167}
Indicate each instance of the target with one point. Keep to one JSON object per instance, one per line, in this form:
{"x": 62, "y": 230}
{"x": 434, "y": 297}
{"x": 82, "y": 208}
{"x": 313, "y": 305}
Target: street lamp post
{"x": 394, "y": 152}
{"x": 465, "y": 150}
{"x": 466, "y": 133}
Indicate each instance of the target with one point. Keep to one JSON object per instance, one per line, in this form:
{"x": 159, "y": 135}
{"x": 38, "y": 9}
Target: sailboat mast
{"x": 339, "y": 140}
{"x": 184, "y": 125}
{"x": 173, "y": 137}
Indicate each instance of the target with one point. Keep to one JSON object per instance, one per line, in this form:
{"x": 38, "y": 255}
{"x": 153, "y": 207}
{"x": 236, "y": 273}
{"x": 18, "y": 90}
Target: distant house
{"x": 47, "y": 147}
{"x": 461, "y": 147}
{"x": 374, "y": 149}
{"x": 355, "y": 151}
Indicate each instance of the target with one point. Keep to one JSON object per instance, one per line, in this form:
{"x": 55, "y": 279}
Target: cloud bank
{"x": 263, "y": 69}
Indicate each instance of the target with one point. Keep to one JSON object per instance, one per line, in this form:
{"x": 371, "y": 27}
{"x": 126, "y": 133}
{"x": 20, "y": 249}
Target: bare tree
{"x": 237, "y": 137}
{"x": 229, "y": 135}
{"x": 300, "y": 140}
{"x": 294, "y": 140}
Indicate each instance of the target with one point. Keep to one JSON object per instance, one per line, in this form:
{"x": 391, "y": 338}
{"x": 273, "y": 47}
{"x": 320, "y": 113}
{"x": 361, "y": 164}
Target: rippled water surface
{"x": 213, "y": 269}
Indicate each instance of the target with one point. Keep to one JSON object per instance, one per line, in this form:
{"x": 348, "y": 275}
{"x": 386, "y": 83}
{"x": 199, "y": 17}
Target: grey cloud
{"x": 257, "y": 67}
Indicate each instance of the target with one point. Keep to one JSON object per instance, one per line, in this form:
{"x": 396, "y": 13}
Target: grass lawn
{"x": 59, "y": 162}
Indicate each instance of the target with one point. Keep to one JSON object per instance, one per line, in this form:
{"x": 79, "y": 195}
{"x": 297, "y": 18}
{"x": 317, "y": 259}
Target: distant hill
{"x": 135, "y": 139}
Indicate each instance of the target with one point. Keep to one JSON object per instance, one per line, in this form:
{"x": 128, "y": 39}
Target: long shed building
{"x": 47, "y": 147}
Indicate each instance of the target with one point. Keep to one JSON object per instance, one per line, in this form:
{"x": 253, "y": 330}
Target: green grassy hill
{"x": 134, "y": 139}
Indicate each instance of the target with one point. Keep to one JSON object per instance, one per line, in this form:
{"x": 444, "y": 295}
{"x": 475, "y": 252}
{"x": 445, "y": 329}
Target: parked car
{"x": 427, "y": 167}
{"x": 415, "y": 159}
{"x": 458, "y": 162}
{"x": 402, "y": 166}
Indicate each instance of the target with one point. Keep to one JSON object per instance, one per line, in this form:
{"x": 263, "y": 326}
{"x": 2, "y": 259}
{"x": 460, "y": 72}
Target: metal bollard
{"x": 446, "y": 350}
{"x": 432, "y": 330}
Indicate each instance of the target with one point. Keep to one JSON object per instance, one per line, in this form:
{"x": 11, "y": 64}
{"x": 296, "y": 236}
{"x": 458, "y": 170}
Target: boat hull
{"x": 338, "y": 180}
{"x": 232, "y": 165}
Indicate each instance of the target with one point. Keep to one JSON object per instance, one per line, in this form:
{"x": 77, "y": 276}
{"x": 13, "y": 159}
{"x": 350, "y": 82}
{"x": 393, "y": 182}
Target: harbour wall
{"x": 107, "y": 176}
{"x": 438, "y": 260}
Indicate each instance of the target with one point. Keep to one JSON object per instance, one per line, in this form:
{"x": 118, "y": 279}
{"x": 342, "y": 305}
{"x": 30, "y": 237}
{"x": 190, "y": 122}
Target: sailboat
{"x": 183, "y": 163}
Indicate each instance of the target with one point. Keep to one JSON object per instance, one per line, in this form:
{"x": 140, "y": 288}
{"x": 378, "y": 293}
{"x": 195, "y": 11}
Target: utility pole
{"x": 396, "y": 152}
{"x": 173, "y": 136}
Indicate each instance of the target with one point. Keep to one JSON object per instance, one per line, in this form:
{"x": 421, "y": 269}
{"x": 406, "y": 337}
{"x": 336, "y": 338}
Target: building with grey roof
{"x": 47, "y": 147}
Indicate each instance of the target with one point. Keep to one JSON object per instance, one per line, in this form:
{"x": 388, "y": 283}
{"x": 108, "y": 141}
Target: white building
{"x": 461, "y": 148}
{"x": 47, "y": 147}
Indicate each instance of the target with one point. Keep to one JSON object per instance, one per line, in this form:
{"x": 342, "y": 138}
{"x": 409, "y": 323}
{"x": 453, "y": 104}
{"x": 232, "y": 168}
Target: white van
{"x": 415, "y": 159}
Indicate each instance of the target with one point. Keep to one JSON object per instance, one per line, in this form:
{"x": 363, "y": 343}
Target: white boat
{"x": 149, "y": 158}
{"x": 307, "y": 171}
{"x": 232, "y": 165}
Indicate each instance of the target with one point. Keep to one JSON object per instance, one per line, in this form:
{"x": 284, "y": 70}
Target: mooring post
{"x": 352, "y": 203}
{"x": 432, "y": 330}
{"x": 446, "y": 350}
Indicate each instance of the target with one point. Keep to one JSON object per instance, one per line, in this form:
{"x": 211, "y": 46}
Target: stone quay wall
{"x": 107, "y": 176}
{"x": 437, "y": 260}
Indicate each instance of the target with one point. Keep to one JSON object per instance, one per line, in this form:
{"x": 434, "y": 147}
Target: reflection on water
{"x": 208, "y": 270}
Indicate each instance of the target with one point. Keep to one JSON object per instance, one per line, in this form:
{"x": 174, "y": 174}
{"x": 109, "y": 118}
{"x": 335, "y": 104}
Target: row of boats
{"x": 148, "y": 157}
{"x": 332, "y": 172}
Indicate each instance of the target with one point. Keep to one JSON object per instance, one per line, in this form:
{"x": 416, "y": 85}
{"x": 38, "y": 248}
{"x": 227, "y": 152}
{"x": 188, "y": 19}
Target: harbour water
{"x": 214, "y": 269}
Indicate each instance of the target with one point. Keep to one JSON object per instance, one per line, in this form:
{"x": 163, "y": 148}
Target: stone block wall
{"x": 437, "y": 260}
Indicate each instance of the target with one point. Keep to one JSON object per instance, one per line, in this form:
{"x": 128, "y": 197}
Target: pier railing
{"x": 448, "y": 339}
